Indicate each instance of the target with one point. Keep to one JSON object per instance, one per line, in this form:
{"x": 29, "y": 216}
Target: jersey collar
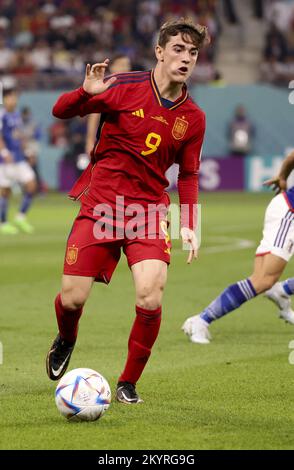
{"x": 155, "y": 90}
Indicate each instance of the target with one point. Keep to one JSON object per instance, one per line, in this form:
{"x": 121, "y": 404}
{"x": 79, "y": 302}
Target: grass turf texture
{"x": 236, "y": 393}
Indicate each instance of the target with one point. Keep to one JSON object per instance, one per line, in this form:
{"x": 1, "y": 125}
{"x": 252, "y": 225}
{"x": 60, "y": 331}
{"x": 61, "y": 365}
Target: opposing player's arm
{"x": 279, "y": 182}
{"x": 93, "y": 97}
{"x": 5, "y": 154}
{"x": 189, "y": 162}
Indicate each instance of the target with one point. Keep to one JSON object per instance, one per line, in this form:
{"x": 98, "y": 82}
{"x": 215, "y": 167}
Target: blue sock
{"x": 288, "y": 286}
{"x": 230, "y": 299}
{"x": 3, "y": 209}
{"x": 26, "y": 203}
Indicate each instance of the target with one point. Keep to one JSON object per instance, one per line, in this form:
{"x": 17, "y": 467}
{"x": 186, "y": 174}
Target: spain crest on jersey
{"x": 72, "y": 255}
{"x": 180, "y": 128}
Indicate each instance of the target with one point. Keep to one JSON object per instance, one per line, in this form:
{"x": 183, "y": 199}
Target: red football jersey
{"x": 138, "y": 139}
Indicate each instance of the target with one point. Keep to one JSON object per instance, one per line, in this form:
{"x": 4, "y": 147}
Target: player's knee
{"x": 270, "y": 281}
{"x": 150, "y": 296}
{"x": 264, "y": 283}
{"x": 31, "y": 187}
{"x": 149, "y": 303}
{"x": 73, "y": 299}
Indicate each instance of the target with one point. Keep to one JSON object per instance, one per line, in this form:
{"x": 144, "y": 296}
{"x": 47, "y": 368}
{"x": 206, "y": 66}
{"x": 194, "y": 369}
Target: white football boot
{"x": 277, "y": 295}
{"x": 197, "y": 330}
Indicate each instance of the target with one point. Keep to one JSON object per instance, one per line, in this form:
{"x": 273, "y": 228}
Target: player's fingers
{"x": 190, "y": 256}
{"x": 273, "y": 186}
{"x": 88, "y": 70}
{"x": 110, "y": 82}
{"x": 100, "y": 66}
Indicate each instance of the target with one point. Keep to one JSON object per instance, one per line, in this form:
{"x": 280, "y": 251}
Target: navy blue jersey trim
{"x": 166, "y": 103}
{"x": 124, "y": 82}
{"x": 102, "y": 121}
{"x": 130, "y": 74}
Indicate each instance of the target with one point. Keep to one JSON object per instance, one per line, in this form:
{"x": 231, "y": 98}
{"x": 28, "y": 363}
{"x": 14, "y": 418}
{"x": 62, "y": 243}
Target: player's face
{"x": 10, "y": 101}
{"x": 178, "y": 58}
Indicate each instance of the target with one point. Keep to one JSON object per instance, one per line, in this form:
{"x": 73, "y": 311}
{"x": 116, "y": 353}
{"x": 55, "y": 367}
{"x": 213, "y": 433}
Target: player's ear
{"x": 159, "y": 53}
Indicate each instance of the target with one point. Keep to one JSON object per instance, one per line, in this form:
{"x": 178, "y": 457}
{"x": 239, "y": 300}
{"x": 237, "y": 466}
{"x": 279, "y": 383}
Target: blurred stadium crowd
{"x": 278, "y": 54}
{"x": 47, "y": 43}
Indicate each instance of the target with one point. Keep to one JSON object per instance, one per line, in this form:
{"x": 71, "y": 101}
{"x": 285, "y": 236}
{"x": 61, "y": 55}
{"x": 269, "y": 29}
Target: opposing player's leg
{"x": 267, "y": 270}
{"x": 26, "y": 177}
{"x": 281, "y": 294}
{"x": 69, "y": 305}
{"x": 272, "y": 255}
{"x": 279, "y": 239}
{"x": 149, "y": 278}
{"x": 6, "y": 181}
{"x": 230, "y": 299}
{"x": 5, "y": 227}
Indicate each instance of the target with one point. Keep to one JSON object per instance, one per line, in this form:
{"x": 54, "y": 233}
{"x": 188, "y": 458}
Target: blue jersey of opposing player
{"x": 290, "y": 197}
{"x": 11, "y": 130}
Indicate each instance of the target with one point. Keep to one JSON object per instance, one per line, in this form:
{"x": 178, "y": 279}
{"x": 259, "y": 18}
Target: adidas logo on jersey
{"x": 139, "y": 113}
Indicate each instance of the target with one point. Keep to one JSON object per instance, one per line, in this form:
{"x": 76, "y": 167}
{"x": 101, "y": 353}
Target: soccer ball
{"x": 82, "y": 395}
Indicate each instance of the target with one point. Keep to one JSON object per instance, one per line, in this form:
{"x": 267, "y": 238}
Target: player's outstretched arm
{"x": 279, "y": 182}
{"x": 94, "y": 83}
{"x": 73, "y": 103}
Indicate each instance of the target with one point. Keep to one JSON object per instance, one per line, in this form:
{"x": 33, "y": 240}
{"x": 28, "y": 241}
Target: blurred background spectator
{"x": 32, "y": 135}
{"x": 240, "y": 133}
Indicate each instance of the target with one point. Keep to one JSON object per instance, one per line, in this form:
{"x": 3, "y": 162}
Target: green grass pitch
{"x": 236, "y": 393}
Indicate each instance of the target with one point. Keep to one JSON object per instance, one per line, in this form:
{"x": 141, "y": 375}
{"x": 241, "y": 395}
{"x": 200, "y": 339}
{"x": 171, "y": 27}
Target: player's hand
{"x": 189, "y": 238}
{"x": 6, "y": 156}
{"x": 277, "y": 183}
{"x": 94, "y": 79}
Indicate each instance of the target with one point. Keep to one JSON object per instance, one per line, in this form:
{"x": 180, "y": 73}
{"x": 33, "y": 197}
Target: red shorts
{"x": 88, "y": 256}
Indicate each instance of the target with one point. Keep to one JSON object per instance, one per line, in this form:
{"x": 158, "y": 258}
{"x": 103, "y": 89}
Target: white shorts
{"x": 278, "y": 229}
{"x": 11, "y": 173}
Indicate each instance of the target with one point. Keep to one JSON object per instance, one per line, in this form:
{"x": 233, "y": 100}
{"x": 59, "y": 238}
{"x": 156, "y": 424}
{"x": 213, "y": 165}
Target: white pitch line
{"x": 232, "y": 228}
{"x": 238, "y": 244}
{"x": 235, "y": 244}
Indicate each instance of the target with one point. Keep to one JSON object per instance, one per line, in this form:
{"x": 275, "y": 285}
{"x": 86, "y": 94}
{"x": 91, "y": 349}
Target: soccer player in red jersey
{"x": 148, "y": 122}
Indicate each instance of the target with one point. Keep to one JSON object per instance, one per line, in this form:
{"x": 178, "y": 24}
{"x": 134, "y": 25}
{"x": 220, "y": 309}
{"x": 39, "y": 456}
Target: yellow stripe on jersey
{"x": 139, "y": 113}
{"x": 156, "y": 92}
{"x": 180, "y": 102}
{"x": 154, "y": 87}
